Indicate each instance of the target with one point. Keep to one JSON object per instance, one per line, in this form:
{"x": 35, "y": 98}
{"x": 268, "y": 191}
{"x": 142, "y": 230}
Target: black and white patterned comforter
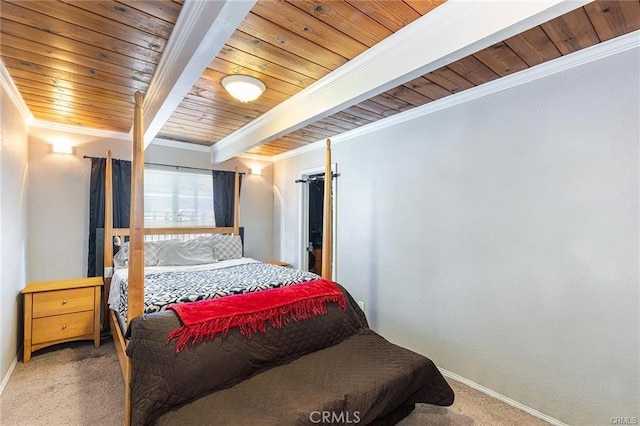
{"x": 164, "y": 288}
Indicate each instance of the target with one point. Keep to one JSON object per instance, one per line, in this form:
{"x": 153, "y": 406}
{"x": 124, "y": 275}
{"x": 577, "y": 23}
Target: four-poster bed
{"x": 279, "y": 326}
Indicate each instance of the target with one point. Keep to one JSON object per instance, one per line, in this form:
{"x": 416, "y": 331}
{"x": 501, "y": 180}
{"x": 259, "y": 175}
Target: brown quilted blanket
{"x": 332, "y": 362}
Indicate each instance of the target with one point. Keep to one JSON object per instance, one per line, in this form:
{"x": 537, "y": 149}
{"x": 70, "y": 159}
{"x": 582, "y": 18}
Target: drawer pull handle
{"x": 64, "y": 302}
{"x": 64, "y": 326}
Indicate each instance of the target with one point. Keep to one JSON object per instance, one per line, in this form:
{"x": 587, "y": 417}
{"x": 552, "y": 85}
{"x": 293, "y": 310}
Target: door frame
{"x": 303, "y": 217}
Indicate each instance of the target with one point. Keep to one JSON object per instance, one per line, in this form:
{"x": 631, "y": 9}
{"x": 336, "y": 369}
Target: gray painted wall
{"x": 500, "y": 237}
{"x": 13, "y": 228}
{"x": 59, "y": 201}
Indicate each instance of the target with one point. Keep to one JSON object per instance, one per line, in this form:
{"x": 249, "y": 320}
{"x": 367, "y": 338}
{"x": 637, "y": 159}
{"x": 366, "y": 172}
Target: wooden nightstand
{"x": 61, "y": 311}
{"x": 279, "y": 263}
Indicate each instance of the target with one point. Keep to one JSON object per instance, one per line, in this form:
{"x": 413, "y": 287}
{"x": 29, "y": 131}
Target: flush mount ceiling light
{"x": 243, "y": 87}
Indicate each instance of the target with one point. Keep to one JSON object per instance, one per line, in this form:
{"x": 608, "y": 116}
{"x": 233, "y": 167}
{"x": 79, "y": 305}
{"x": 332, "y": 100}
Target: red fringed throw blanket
{"x": 250, "y": 312}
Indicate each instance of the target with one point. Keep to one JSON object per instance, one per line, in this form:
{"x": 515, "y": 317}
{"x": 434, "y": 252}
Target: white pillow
{"x": 191, "y": 252}
{"x": 121, "y": 258}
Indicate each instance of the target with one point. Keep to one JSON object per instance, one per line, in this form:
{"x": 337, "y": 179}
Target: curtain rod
{"x": 172, "y": 165}
{"x": 316, "y": 178}
{"x": 187, "y": 167}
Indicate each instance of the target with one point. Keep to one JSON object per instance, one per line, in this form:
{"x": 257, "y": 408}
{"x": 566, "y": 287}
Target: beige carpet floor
{"x": 77, "y": 384}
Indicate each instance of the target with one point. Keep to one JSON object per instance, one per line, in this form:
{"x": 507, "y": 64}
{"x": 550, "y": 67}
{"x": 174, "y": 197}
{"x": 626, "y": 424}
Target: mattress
{"x": 331, "y": 362}
{"x": 165, "y": 285}
{"x": 359, "y": 380}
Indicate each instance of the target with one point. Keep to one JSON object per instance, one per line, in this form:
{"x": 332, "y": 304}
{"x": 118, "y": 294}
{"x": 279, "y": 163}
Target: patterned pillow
{"x": 228, "y": 247}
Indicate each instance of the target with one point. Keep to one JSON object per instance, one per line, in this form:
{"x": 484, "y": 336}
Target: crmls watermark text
{"x": 340, "y": 417}
{"x": 623, "y": 420}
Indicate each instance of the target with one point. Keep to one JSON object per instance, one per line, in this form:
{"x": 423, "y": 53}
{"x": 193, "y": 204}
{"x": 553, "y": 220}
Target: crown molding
{"x": 449, "y": 32}
{"x": 170, "y": 143}
{"x": 70, "y": 128}
{"x": 255, "y": 157}
{"x": 590, "y": 54}
{"x": 204, "y": 148}
{"x": 108, "y": 134}
{"x": 14, "y": 94}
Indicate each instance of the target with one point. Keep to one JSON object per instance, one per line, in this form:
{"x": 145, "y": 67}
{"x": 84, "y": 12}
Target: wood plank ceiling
{"x": 81, "y": 62}
{"x": 77, "y": 62}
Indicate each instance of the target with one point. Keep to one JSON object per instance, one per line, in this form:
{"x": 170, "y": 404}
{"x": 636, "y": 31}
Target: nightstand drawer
{"x": 62, "y": 327}
{"x": 63, "y": 302}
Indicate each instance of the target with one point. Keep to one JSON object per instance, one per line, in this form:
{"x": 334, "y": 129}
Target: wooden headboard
{"x": 181, "y": 233}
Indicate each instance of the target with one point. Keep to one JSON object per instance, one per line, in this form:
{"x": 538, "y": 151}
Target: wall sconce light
{"x": 62, "y": 147}
{"x": 243, "y": 87}
{"x": 257, "y": 171}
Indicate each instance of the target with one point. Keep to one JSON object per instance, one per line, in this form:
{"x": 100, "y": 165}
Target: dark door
{"x": 316, "y": 203}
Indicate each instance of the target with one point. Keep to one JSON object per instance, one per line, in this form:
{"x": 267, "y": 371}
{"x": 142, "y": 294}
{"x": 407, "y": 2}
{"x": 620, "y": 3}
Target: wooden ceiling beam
{"x": 200, "y": 32}
{"x": 448, "y": 33}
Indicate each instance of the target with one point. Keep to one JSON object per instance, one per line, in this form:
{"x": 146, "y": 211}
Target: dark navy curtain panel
{"x": 121, "y": 203}
{"x": 223, "y": 196}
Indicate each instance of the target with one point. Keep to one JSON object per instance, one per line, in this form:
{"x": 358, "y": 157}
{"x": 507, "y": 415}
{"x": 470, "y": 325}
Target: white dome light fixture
{"x": 243, "y": 87}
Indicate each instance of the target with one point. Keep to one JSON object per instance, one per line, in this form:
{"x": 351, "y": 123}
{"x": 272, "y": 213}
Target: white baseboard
{"x": 7, "y": 376}
{"x": 502, "y": 398}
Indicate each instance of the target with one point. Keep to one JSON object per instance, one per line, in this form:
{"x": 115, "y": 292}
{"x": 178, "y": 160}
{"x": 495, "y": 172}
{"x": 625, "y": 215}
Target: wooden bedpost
{"x": 135, "y": 298}
{"x": 327, "y": 239}
{"x": 135, "y": 292}
{"x": 108, "y": 236}
{"x": 236, "y": 204}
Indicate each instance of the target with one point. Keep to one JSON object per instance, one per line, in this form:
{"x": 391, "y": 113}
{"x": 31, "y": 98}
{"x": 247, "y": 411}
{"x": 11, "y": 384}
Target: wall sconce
{"x": 62, "y": 147}
{"x": 257, "y": 171}
{"x": 243, "y": 87}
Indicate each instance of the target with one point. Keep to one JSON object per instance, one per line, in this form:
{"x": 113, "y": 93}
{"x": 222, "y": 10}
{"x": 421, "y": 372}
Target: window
{"x": 174, "y": 198}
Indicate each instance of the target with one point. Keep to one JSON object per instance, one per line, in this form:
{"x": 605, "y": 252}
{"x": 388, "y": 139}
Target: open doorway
{"x": 315, "y": 222}
{"x": 312, "y": 219}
